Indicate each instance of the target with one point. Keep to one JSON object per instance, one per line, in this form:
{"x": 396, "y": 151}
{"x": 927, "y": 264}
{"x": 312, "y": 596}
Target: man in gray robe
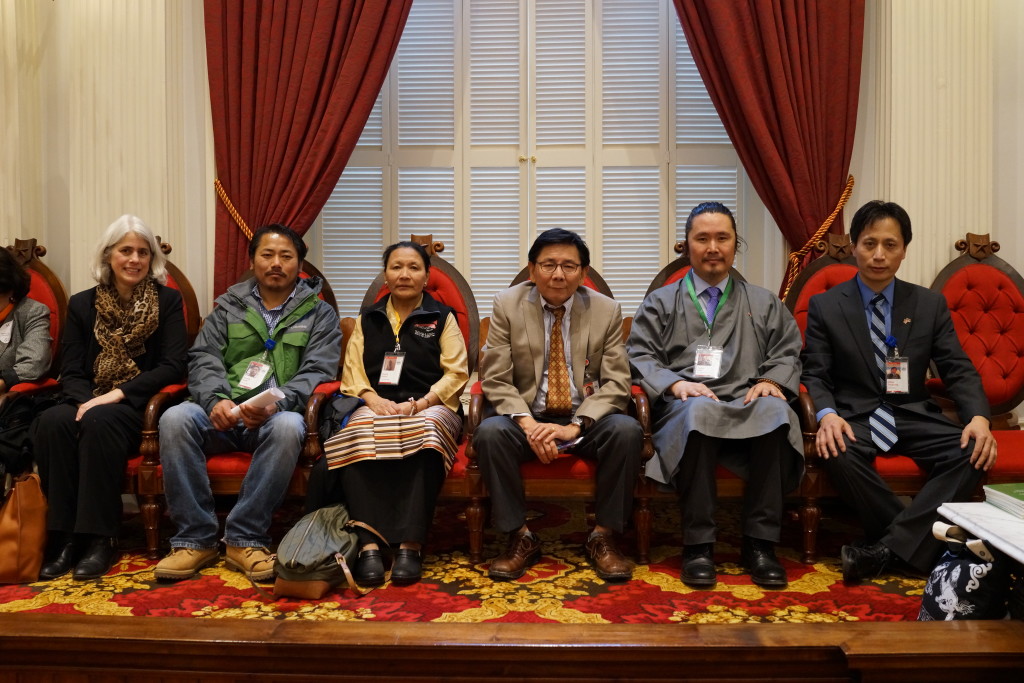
{"x": 720, "y": 359}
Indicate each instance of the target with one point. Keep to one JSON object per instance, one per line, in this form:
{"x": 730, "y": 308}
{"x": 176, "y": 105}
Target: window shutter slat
{"x": 351, "y": 252}
{"x": 631, "y": 241}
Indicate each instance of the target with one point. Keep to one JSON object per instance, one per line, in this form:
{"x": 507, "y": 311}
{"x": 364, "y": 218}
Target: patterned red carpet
{"x": 561, "y": 588}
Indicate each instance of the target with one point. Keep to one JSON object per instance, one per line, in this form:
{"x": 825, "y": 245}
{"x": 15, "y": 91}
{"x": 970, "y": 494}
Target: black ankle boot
{"x": 62, "y": 556}
{"x": 97, "y": 560}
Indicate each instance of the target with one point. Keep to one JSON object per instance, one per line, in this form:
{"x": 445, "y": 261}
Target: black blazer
{"x": 839, "y": 367}
{"x": 162, "y": 363}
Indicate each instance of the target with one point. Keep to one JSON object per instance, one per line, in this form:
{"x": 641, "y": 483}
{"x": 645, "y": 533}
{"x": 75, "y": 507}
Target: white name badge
{"x": 708, "y": 362}
{"x": 897, "y": 375}
{"x": 254, "y": 375}
{"x": 391, "y": 370}
{"x": 6, "y": 330}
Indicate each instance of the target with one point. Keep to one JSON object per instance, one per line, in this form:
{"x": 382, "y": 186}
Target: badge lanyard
{"x": 897, "y": 369}
{"x": 708, "y": 359}
{"x": 391, "y": 369}
{"x": 700, "y": 309}
{"x": 256, "y": 374}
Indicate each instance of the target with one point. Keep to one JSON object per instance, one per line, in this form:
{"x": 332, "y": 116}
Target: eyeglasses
{"x": 548, "y": 267}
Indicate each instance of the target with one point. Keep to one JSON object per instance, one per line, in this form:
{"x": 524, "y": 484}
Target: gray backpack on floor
{"x": 314, "y": 556}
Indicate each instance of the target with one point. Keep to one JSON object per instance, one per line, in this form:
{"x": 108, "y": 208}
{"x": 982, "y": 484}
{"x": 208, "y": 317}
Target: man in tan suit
{"x": 550, "y": 398}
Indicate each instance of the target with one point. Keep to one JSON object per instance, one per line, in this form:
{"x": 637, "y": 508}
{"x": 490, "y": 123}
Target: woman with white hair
{"x": 123, "y": 341}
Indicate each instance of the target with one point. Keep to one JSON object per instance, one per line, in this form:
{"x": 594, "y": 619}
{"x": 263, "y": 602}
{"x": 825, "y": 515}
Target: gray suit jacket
{"x": 25, "y": 357}
{"x": 513, "y": 364}
{"x": 840, "y": 370}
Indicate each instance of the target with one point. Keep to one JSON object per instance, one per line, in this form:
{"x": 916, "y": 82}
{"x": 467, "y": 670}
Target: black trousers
{"x": 614, "y": 441}
{"x": 907, "y": 530}
{"x": 81, "y": 465}
{"x": 395, "y": 497}
{"x": 763, "y": 495}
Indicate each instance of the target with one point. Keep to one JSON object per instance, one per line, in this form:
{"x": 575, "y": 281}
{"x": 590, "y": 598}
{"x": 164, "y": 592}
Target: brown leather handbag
{"x": 22, "y": 529}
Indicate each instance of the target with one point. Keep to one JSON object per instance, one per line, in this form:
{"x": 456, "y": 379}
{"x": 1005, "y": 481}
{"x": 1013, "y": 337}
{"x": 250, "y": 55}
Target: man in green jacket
{"x": 270, "y": 332}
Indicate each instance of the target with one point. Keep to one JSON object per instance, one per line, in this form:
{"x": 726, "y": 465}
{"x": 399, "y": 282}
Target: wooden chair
{"x": 47, "y": 289}
{"x": 143, "y": 476}
{"x": 985, "y": 295}
{"x": 447, "y": 285}
{"x": 225, "y": 470}
{"x": 986, "y": 300}
{"x": 729, "y": 485}
{"x": 835, "y": 265}
{"x": 569, "y": 476}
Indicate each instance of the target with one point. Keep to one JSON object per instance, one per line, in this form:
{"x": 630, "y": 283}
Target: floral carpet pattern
{"x": 561, "y": 588}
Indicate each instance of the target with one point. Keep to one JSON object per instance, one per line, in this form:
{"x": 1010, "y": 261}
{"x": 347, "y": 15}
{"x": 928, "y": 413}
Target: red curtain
{"x": 292, "y": 83}
{"x": 784, "y": 76}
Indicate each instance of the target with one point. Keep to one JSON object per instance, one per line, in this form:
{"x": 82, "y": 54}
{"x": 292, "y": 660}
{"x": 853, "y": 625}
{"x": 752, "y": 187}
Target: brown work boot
{"x": 183, "y": 563}
{"x": 608, "y": 562}
{"x": 256, "y": 563}
{"x": 523, "y": 550}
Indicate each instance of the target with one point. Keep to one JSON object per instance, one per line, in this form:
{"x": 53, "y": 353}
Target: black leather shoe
{"x": 865, "y": 562}
{"x": 698, "y": 566}
{"x": 97, "y": 560}
{"x": 758, "y": 556}
{"x": 64, "y": 558}
{"x": 408, "y": 566}
{"x": 369, "y": 569}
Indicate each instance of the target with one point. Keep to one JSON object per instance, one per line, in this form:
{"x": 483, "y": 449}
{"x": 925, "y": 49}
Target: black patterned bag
{"x": 971, "y": 580}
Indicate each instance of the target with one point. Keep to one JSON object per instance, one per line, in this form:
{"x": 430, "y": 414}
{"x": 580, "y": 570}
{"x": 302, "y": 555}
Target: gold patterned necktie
{"x": 559, "y": 401}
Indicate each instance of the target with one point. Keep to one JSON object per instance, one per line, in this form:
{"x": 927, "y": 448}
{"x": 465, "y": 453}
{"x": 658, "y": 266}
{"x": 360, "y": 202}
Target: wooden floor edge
{"x": 188, "y": 648}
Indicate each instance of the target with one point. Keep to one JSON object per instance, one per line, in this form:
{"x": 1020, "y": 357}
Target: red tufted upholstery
{"x": 988, "y": 313}
{"x": 821, "y": 281}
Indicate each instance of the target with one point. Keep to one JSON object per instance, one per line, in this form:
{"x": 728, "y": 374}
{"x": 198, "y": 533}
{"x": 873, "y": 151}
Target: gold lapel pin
{"x": 906, "y": 321}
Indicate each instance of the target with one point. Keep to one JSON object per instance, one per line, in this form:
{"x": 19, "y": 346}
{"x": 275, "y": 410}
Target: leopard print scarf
{"x": 122, "y": 332}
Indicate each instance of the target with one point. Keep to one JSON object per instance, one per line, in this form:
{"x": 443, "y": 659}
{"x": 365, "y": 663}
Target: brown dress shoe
{"x": 608, "y": 562}
{"x": 523, "y": 551}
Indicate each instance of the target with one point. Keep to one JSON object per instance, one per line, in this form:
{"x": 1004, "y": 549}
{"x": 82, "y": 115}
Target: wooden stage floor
{"x": 39, "y": 648}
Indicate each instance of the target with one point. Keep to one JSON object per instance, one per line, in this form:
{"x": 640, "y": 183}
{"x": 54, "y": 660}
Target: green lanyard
{"x": 700, "y": 309}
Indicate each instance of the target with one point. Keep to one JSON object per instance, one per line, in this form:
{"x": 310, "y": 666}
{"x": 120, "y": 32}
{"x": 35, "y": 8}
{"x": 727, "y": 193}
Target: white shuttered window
{"x": 502, "y": 118}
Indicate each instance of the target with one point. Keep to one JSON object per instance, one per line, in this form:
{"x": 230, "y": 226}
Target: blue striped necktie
{"x": 881, "y": 420}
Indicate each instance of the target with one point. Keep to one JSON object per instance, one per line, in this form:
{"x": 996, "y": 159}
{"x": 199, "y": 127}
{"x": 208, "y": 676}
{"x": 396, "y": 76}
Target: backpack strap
{"x": 364, "y": 525}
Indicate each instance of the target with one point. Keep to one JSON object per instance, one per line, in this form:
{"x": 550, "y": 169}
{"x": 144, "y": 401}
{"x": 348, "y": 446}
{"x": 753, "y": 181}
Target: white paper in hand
{"x": 260, "y": 400}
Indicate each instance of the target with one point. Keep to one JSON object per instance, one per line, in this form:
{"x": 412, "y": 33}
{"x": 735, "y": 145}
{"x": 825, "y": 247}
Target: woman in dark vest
{"x": 407, "y": 361}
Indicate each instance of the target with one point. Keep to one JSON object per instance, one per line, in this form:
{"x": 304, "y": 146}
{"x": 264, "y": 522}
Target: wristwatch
{"x": 578, "y": 421}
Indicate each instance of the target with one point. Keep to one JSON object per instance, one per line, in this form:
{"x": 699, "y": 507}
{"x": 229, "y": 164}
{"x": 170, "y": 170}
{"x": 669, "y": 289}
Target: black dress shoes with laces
{"x": 758, "y": 556}
{"x": 64, "y": 558}
{"x": 97, "y": 560}
{"x": 369, "y": 570}
{"x": 699, "y": 566}
{"x": 408, "y": 566}
{"x": 865, "y": 562}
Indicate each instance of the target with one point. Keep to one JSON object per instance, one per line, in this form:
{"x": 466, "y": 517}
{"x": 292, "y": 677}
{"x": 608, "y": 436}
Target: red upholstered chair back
{"x": 47, "y": 289}
{"x": 446, "y": 285}
{"x": 189, "y": 301}
{"x": 985, "y": 295}
{"x": 677, "y": 270}
{"x": 834, "y": 266}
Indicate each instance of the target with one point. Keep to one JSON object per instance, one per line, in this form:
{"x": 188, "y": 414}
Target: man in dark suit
{"x": 854, "y": 331}
{"x": 555, "y": 370}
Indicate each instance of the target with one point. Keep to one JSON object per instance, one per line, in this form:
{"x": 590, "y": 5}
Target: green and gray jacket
{"x": 306, "y": 351}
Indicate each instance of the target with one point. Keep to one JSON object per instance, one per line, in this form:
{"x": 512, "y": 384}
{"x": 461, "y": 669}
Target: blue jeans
{"x": 187, "y": 437}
